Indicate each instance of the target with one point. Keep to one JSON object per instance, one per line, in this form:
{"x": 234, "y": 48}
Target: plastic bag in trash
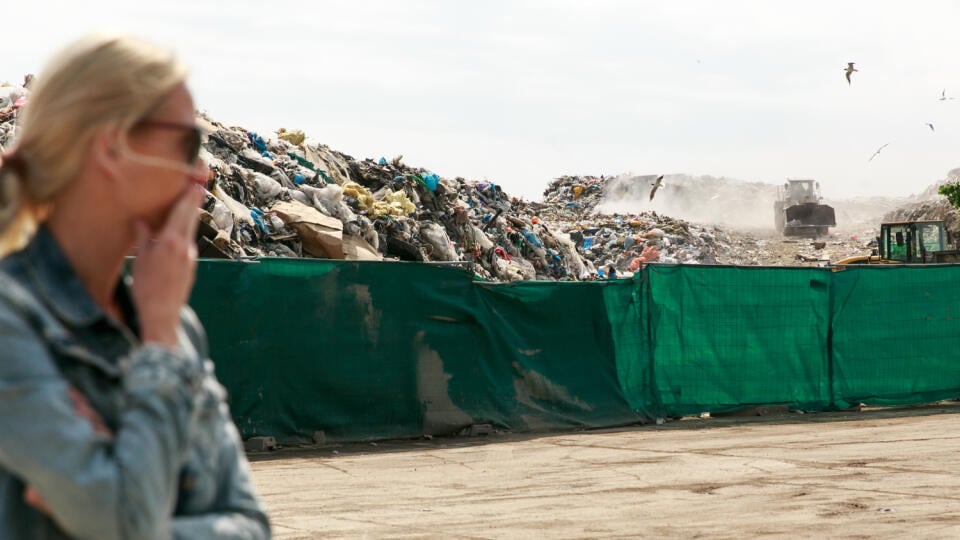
{"x": 267, "y": 188}
{"x": 442, "y": 248}
{"x": 431, "y": 181}
{"x": 257, "y": 142}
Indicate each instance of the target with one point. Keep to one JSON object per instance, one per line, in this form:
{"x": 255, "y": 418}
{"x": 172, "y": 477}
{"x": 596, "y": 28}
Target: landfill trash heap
{"x": 930, "y": 205}
{"x": 287, "y": 196}
{"x": 573, "y": 205}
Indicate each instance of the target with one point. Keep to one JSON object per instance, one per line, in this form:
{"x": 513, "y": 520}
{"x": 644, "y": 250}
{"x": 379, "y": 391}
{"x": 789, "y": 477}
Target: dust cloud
{"x": 736, "y": 204}
{"x": 704, "y": 199}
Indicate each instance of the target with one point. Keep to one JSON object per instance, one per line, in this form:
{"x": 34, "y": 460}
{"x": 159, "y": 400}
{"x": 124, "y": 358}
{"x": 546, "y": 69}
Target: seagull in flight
{"x": 929, "y": 125}
{"x": 656, "y": 185}
{"x": 877, "y": 153}
{"x": 850, "y": 69}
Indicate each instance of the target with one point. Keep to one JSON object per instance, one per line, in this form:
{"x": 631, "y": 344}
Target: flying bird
{"x": 656, "y": 185}
{"x": 850, "y": 69}
{"x": 877, "y": 153}
{"x": 929, "y": 125}
{"x": 943, "y": 95}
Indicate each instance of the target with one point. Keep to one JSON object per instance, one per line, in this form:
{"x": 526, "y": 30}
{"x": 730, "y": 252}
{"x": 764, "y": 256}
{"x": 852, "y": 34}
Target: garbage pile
{"x": 12, "y": 99}
{"x": 931, "y": 205}
{"x": 283, "y": 195}
{"x": 287, "y": 196}
{"x": 573, "y": 205}
{"x": 936, "y": 209}
{"x": 570, "y": 198}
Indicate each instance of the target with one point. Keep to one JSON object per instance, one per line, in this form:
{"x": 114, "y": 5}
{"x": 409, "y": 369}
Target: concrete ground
{"x": 876, "y": 473}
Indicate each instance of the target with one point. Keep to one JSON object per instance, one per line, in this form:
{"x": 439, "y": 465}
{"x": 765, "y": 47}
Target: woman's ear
{"x": 108, "y": 150}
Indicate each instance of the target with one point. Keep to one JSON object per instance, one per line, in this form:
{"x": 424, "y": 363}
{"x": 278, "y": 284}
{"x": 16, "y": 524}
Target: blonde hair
{"x": 97, "y": 81}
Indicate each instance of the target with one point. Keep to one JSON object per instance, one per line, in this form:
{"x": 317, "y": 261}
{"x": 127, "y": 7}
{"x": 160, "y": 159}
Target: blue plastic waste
{"x": 532, "y": 238}
{"x": 588, "y": 242}
{"x": 266, "y": 154}
{"x": 298, "y": 179}
{"x": 383, "y": 161}
{"x": 398, "y": 179}
{"x": 431, "y": 180}
{"x": 257, "y": 142}
{"x": 257, "y": 216}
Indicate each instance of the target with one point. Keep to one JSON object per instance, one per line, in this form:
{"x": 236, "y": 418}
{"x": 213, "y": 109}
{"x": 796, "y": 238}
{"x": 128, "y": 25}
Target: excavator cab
{"x": 910, "y": 242}
{"x": 916, "y": 242}
{"x": 894, "y": 244}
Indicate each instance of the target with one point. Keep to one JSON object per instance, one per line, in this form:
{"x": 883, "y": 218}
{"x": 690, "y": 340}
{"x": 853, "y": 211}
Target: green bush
{"x": 951, "y": 190}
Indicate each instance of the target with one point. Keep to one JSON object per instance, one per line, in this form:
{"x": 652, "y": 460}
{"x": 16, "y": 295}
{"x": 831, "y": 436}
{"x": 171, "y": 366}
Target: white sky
{"x": 519, "y": 92}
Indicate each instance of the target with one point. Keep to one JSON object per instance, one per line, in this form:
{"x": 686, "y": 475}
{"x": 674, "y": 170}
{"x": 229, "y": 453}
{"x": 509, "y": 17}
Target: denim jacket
{"x": 173, "y": 466}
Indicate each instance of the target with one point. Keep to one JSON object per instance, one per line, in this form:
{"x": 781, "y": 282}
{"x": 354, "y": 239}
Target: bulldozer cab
{"x": 916, "y": 242}
{"x": 802, "y": 191}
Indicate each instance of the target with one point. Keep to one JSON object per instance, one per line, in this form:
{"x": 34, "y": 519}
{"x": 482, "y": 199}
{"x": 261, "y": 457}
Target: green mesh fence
{"x": 379, "y": 350}
{"x": 724, "y": 338}
{"x": 896, "y": 335}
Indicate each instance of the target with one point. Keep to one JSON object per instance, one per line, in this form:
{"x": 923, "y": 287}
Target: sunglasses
{"x": 191, "y": 145}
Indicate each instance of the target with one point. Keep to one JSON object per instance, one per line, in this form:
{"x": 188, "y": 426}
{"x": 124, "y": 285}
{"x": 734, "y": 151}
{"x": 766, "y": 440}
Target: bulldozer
{"x": 910, "y": 242}
{"x": 799, "y": 210}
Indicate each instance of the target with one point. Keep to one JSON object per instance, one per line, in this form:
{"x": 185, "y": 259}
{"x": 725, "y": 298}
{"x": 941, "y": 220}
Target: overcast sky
{"x": 519, "y": 92}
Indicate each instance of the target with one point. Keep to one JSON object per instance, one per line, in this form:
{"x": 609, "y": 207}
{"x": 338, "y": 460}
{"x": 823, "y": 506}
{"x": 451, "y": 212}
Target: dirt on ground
{"x": 770, "y": 248}
{"x": 875, "y": 473}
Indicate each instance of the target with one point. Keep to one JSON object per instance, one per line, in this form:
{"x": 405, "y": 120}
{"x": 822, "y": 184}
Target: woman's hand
{"x": 164, "y": 269}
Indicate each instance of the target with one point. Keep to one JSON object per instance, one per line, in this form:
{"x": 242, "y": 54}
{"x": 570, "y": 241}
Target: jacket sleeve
{"x": 95, "y": 486}
{"x": 238, "y": 513}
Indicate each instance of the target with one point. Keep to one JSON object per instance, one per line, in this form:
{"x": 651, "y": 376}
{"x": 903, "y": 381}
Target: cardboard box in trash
{"x": 321, "y": 235}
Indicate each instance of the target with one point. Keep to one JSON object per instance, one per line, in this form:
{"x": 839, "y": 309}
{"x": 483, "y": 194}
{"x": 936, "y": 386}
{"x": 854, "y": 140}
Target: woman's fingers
{"x": 83, "y": 408}
{"x": 33, "y": 498}
{"x": 164, "y": 271}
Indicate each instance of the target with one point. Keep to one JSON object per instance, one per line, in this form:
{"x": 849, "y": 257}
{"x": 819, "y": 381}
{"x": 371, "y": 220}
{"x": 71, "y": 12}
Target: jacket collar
{"x": 60, "y": 288}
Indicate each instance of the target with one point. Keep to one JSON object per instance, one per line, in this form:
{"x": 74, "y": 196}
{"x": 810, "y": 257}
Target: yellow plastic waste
{"x": 393, "y": 204}
{"x": 577, "y": 191}
{"x": 295, "y": 137}
{"x": 360, "y": 193}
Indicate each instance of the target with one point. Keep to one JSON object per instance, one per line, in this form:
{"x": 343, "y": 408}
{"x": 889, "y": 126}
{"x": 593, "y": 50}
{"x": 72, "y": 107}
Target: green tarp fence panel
{"x": 896, "y": 335}
{"x": 369, "y": 350}
{"x": 553, "y": 346}
{"x": 379, "y": 350}
{"x": 725, "y": 338}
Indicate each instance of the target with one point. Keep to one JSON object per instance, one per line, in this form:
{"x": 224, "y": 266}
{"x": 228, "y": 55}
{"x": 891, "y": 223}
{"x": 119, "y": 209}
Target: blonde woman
{"x": 113, "y": 424}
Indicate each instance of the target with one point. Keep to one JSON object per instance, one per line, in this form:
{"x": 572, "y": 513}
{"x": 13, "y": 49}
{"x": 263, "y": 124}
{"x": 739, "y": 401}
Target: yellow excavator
{"x": 909, "y": 242}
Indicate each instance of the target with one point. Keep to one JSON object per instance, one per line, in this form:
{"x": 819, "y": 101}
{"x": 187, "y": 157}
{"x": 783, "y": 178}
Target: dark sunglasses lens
{"x": 194, "y": 149}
